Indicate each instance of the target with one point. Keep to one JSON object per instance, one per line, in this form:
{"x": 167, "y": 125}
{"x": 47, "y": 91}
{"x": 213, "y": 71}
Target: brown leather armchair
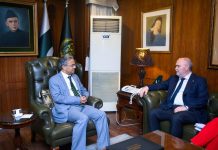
{"x": 153, "y": 100}
{"x": 38, "y": 73}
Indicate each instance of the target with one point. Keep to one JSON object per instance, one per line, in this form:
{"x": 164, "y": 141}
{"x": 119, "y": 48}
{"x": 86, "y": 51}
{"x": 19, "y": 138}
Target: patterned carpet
{"x": 113, "y": 140}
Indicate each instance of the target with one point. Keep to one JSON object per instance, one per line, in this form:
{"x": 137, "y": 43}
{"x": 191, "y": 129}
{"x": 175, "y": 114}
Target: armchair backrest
{"x": 158, "y": 79}
{"x": 39, "y": 71}
{"x": 213, "y": 105}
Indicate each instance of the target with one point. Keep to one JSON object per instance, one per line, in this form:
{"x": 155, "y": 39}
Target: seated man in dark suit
{"x": 186, "y": 100}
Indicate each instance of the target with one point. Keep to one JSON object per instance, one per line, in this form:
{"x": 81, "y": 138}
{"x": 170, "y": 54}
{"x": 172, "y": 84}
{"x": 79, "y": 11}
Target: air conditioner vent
{"x": 105, "y": 25}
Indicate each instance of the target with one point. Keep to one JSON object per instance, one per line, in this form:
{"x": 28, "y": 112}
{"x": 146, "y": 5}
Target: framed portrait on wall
{"x": 18, "y": 24}
{"x": 213, "y": 43}
{"x": 156, "y": 30}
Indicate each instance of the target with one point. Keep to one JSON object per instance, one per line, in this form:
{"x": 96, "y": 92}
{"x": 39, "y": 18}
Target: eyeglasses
{"x": 72, "y": 65}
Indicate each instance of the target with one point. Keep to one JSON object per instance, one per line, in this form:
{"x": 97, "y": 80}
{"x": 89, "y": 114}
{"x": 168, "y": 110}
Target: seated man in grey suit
{"x": 186, "y": 100}
{"x": 70, "y": 96}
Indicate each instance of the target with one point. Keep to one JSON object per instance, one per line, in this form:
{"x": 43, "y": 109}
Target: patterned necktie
{"x": 177, "y": 90}
{"x": 73, "y": 88}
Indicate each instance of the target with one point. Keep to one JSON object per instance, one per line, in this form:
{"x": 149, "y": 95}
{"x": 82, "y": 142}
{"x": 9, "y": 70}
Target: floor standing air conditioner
{"x": 105, "y": 59}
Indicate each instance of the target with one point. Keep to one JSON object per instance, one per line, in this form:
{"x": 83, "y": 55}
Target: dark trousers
{"x": 176, "y": 120}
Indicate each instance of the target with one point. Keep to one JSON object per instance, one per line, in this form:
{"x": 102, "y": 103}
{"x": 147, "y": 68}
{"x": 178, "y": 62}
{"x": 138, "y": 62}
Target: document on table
{"x": 27, "y": 116}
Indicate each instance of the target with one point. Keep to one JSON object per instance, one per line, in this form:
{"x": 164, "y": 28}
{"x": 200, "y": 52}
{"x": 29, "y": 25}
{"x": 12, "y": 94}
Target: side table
{"x": 129, "y": 112}
{"x": 8, "y": 122}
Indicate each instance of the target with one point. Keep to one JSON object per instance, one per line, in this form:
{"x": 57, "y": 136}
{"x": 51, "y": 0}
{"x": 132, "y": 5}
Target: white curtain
{"x": 103, "y": 7}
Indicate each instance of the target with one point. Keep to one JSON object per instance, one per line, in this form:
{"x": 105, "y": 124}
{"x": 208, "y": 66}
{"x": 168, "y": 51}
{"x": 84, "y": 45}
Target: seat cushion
{"x": 165, "y": 126}
{"x": 188, "y": 132}
{"x": 64, "y": 130}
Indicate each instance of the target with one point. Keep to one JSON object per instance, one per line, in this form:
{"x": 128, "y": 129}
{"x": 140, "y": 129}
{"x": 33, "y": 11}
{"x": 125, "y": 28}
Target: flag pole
{"x": 45, "y": 39}
{"x": 66, "y": 42}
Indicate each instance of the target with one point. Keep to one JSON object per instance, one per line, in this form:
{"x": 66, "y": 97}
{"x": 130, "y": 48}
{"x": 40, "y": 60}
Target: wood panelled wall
{"x": 190, "y": 38}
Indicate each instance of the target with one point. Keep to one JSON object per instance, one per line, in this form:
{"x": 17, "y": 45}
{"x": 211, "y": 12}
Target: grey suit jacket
{"x": 62, "y": 98}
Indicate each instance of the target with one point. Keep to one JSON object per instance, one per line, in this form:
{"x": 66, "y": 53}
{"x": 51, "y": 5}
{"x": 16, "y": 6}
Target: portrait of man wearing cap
{"x": 13, "y": 37}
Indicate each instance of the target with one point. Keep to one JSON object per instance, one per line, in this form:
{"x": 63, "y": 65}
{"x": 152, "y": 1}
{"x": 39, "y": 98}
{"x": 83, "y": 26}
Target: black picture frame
{"x": 24, "y": 41}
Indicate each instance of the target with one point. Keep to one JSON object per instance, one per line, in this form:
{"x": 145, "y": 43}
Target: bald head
{"x": 187, "y": 62}
{"x": 183, "y": 67}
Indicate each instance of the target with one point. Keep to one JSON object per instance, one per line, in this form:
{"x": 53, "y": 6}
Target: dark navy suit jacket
{"x": 195, "y": 95}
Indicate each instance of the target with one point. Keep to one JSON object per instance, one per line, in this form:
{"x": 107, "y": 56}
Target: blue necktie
{"x": 75, "y": 92}
{"x": 177, "y": 90}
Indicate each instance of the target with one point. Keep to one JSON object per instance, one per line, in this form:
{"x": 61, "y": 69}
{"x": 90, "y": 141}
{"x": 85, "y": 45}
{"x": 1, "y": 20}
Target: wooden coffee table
{"x": 169, "y": 142}
{"x": 8, "y": 122}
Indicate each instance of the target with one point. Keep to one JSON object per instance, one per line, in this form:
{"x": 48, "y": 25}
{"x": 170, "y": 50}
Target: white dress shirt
{"x": 179, "y": 97}
{"x": 68, "y": 83}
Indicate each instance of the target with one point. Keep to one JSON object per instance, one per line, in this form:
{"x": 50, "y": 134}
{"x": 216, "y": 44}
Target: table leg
{"x": 119, "y": 111}
{"x": 18, "y": 140}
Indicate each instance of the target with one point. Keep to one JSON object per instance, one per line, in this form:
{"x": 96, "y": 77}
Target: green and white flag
{"x": 45, "y": 41}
